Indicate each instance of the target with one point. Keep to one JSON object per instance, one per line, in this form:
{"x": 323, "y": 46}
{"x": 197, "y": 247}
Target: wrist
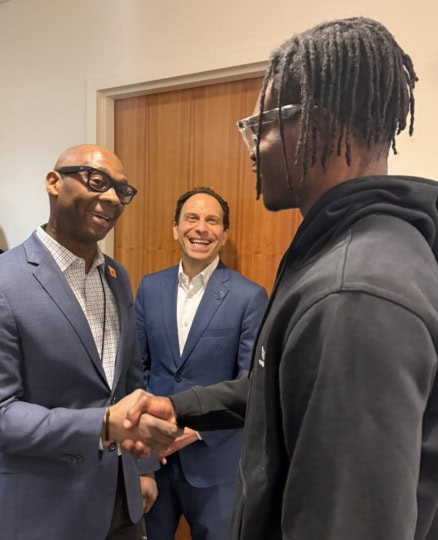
{"x": 174, "y": 415}
{"x": 106, "y": 427}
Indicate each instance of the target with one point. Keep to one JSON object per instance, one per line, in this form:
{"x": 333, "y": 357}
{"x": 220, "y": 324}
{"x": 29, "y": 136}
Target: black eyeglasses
{"x": 100, "y": 181}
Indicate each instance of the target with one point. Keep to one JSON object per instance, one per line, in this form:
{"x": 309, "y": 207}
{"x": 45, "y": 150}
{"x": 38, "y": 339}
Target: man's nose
{"x": 201, "y": 225}
{"x": 110, "y": 196}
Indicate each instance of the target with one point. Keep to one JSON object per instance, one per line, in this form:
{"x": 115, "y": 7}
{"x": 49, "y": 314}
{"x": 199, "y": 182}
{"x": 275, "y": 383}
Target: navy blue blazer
{"x": 219, "y": 346}
{"x": 54, "y": 480}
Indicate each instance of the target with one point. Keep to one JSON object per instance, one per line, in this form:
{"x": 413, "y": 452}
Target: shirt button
{"x": 112, "y": 447}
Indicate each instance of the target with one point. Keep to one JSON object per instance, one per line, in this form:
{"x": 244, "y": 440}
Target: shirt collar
{"x": 64, "y": 257}
{"x": 204, "y": 276}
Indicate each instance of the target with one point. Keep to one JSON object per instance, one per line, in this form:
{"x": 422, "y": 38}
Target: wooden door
{"x": 173, "y": 141}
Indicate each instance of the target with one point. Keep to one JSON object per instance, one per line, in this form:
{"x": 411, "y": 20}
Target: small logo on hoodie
{"x": 262, "y": 359}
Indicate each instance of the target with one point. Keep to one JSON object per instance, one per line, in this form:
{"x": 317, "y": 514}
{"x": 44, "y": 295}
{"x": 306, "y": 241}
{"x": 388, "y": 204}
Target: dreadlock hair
{"x": 352, "y": 69}
{"x": 208, "y": 191}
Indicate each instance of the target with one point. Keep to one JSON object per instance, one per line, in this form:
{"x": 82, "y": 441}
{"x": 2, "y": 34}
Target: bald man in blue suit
{"x": 196, "y": 324}
{"x": 66, "y": 365}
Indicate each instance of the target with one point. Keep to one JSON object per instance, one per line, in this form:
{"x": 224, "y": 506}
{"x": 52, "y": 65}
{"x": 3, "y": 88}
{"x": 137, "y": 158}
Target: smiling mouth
{"x": 199, "y": 242}
{"x": 102, "y": 217}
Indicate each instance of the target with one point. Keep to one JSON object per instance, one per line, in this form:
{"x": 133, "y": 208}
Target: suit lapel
{"x": 169, "y": 291}
{"x": 214, "y": 295}
{"x": 113, "y": 283}
{"x": 50, "y": 277}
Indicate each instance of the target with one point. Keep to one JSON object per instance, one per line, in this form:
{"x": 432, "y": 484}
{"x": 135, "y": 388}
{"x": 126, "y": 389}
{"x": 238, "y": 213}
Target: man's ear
{"x": 52, "y": 183}
{"x": 175, "y": 231}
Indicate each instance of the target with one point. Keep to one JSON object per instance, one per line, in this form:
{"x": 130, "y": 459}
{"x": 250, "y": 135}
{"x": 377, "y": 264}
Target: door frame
{"x": 101, "y": 96}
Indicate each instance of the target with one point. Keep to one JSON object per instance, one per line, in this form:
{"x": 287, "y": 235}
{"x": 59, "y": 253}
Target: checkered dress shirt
{"x": 93, "y": 293}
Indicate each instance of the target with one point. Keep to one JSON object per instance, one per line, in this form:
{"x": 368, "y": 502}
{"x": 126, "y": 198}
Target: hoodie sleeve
{"x": 363, "y": 368}
{"x": 219, "y": 406}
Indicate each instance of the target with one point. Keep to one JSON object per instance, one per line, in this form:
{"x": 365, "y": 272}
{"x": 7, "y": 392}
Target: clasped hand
{"x": 143, "y": 424}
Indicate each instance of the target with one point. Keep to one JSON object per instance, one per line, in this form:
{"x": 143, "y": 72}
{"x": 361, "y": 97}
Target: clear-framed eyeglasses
{"x": 100, "y": 181}
{"x": 248, "y": 127}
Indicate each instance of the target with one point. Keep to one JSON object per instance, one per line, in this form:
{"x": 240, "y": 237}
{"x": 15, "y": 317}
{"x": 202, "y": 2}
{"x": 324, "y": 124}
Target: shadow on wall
{"x": 3, "y": 242}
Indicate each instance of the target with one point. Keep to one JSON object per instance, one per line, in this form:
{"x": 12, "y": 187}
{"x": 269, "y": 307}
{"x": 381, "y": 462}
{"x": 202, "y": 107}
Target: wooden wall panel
{"x": 173, "y": 141}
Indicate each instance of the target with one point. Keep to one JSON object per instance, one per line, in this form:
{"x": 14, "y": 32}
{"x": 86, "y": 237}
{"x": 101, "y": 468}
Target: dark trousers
{"x": 122, "y": 527}
{"x": 207, "y": 510}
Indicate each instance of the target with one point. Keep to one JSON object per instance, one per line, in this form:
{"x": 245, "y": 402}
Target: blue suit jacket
{"x": 54, "y": 480}
{"x": 218, "y": 347}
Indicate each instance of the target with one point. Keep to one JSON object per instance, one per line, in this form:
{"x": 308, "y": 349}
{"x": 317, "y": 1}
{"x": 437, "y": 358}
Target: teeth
{"x": 202, "y": 242}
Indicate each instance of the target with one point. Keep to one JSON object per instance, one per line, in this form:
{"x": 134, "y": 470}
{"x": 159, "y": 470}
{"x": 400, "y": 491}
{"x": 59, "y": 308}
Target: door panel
{"x": 173, "y": 141}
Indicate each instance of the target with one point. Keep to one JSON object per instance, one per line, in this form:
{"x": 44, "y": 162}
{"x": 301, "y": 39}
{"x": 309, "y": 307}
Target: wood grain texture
{"x": 174, "y": 141}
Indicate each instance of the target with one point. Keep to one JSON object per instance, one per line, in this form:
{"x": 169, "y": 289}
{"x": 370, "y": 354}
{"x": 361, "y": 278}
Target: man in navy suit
{"x": 68, "y": 356}
{"x": 196, "y": 324}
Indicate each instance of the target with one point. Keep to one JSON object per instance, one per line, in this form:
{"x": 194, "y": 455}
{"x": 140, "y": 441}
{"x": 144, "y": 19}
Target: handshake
{"x": 143, "y": 424}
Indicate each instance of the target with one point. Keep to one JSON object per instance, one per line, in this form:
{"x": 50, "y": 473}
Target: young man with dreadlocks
{"x": 341, "y": 432}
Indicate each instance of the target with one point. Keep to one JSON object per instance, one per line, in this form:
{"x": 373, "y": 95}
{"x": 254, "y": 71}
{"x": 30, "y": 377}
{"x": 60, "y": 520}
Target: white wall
{"x": 50, "y": 49}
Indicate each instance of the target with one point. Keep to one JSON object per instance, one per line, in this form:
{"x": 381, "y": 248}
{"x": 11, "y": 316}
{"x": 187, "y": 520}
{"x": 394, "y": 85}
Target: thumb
{"x": 133, "y": 414}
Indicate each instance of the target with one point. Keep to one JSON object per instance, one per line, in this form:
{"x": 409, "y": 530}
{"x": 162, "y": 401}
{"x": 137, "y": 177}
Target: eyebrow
{"x": 195, "y": 214}
{"x": 123, "y": 180}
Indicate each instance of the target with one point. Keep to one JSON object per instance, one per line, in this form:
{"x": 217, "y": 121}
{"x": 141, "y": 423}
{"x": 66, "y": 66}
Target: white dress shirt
{"x": 189, "y": 297}
{"x": 190, "y": 294}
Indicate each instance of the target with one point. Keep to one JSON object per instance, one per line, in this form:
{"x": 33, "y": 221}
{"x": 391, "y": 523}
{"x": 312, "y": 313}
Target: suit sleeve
{"x": 134, "y": 380}
{"x": 363, "y": 368}
{"x": 140, "y": 324}
{"x": 30, "y": 429}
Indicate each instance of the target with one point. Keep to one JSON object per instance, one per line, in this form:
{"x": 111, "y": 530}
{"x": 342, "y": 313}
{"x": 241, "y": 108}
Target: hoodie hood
{"x": 411, "y": 199}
